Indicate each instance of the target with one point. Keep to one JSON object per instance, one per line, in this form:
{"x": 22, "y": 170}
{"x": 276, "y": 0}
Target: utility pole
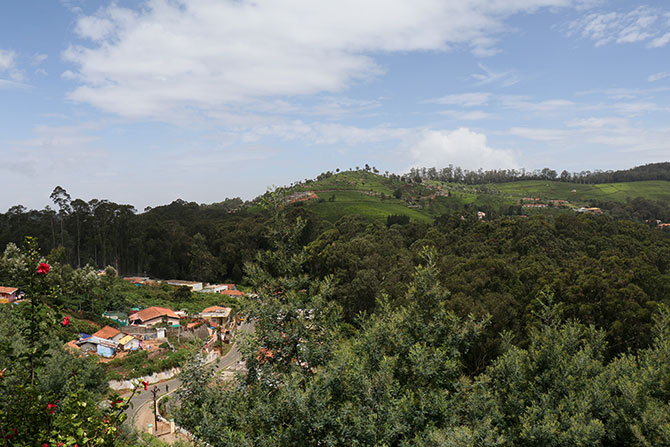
{"x": 154, "y": 391}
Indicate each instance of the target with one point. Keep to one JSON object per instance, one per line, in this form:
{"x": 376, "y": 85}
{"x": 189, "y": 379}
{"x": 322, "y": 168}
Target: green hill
{"x": 607, "y": 192}
{"x": 376, "y": 196}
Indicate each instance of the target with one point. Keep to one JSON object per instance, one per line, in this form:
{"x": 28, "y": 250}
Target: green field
{"x": 360, "y": 193}
{"x": 612, "y": 192}
{"x": 372, "y": 207}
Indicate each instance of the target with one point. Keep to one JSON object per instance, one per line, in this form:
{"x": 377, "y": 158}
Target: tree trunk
{"x": 78, "y": 243}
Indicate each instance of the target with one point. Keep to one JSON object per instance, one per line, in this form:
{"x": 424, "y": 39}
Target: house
{"x": 8, "y": 294}
{"x": 590, "y": 210}
{"x": 232, "y": 293}
{"x": 119, "y": 317}
{"x": 109, "y": 333}
{"x": 663, "y": 226}
{"x": 104, "y": 347}
{"x": 194, "y": 285}
{"x": 137, "y": 280}
{"x": 218, "y": 288}
{"x": 130, "y": 343}
{"x": 154, "y": 315}
{"x": 216, "y": 314}
{"x": 85, "y": 344}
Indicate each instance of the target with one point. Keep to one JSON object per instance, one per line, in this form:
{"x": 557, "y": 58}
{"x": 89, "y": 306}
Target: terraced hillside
{"x": 376, "y": 197}
{"x": 608, "y": 192}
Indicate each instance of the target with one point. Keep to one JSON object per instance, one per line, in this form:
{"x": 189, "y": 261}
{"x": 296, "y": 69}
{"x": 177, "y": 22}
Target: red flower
{"x": 51, "y": 408}
{"x": 66, "y": 321}
{"x": 146, "y": 385}
{"x": 43, "y": 268}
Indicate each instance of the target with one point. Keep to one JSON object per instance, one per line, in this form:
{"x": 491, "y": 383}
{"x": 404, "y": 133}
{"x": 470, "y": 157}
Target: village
{"x": 148, "y": 328}
{"x": 151, "y": 327}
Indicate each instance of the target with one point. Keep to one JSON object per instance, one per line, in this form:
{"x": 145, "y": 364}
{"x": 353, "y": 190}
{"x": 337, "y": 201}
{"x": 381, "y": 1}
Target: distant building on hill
{"x": 232, "y": 292}
{"x": 194, "y": 285}
{"x": 119, "y": 317}
{"x": 217, "y": 288}
{"x": 590, "y": 210}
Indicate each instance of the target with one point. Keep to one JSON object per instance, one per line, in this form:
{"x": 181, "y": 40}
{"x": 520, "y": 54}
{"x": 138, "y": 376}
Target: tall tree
{"x": 61, "y": 199}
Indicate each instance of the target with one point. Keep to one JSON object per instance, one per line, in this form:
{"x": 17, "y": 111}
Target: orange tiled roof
{"x": 216, "y": 309}
{"x": 232, "y": 292}
{"x": 8, "y": 289}
{"x": 107, "y": 332}
{"x": 153, "y": 312}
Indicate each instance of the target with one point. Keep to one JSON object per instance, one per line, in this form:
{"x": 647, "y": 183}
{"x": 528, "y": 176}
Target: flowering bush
{"x": 43, "y": 268}
{"x": 34, "y": 414}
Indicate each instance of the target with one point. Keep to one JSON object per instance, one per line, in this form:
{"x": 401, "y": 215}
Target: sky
{"x": 144, "y": 102}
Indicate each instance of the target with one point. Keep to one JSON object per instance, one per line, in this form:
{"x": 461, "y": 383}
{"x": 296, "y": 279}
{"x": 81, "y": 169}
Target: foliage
{"x": 50, "y": 397}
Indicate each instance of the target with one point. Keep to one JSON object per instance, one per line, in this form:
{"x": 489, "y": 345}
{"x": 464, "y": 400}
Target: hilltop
{"x": 376, "y": 196}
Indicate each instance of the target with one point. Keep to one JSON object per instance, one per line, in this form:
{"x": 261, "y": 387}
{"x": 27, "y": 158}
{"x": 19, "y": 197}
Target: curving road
{"x": 141, "y": 403}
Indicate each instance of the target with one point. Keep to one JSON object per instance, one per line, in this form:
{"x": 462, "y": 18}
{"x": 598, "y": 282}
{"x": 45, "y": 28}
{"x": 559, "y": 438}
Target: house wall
{"x": 7, "y": 297}
{"x": 106, "y": 351}
{"x": 133, "y": 345}
{"x": 88, "y": 347}
{"x": 159, "y": 320}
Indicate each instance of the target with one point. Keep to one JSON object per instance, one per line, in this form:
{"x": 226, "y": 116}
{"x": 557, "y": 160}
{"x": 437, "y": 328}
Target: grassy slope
{"x": 611, "y": 192}
{"x": 351, "y": 202}
{"x": 359, "y": 192}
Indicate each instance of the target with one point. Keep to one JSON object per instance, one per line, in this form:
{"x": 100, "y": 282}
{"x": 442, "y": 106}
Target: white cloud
{"x": 525, "y": 103}
{"x": 6, "y": 59}
{"x": 38, "y": 58}
{"x": 658, "y": 76}
{"x": 467, "y": 115}
{"x": 504, "y": 78}
{"x": 538, "y": 134}
{"x": 464, "y": 99}
{"x": 337, "y": 107}
{"x": 641, "y": 24}
{"x": 660, "y": 41}
{"x": 8, "y": 65}
{"x": 461, "y": 147}
{"x": 597, "y": 123}
{"x": 207, "y": 54}
{"x": 635, "y": 108}
{"x": 52, "y": 150}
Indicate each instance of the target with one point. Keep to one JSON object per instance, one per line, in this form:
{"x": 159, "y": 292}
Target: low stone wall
{"x": 200, "y": 332}
{"x": 155, "y": 377}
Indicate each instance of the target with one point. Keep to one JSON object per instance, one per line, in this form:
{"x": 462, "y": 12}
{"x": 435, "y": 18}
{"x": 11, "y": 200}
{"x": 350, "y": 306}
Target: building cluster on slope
{"x": 536, "y": 202}
{"x": 144, "y": 328}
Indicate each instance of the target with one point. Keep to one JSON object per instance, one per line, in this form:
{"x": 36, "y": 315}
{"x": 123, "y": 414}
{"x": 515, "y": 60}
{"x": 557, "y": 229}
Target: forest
{"x": 455, "y": 174}
{"x": 547, "y": 329}
{"x": 518, "y": 332}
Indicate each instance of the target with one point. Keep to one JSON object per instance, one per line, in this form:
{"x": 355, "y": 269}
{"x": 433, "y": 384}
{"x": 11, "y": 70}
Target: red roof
{"x": 232, "y": 292}
{"x": 107, "y": 332}
{"x": 216, "y": 309}
{"x": 8, "y": 289}
{"x": 153, "y": 312}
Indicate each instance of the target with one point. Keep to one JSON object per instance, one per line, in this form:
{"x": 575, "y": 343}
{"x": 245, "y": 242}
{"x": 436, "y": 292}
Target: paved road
{"x": 142, "y": 402}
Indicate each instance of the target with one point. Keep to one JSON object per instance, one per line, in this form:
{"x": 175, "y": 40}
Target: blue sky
{"x": 146, "y": 102}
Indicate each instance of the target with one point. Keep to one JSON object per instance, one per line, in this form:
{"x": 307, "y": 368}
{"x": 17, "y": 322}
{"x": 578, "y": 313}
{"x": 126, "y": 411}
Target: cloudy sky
{"x": 145, "y": 102}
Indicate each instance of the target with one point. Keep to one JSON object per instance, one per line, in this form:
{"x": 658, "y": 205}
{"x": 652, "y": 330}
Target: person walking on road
{"x": 166, "y": 388}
